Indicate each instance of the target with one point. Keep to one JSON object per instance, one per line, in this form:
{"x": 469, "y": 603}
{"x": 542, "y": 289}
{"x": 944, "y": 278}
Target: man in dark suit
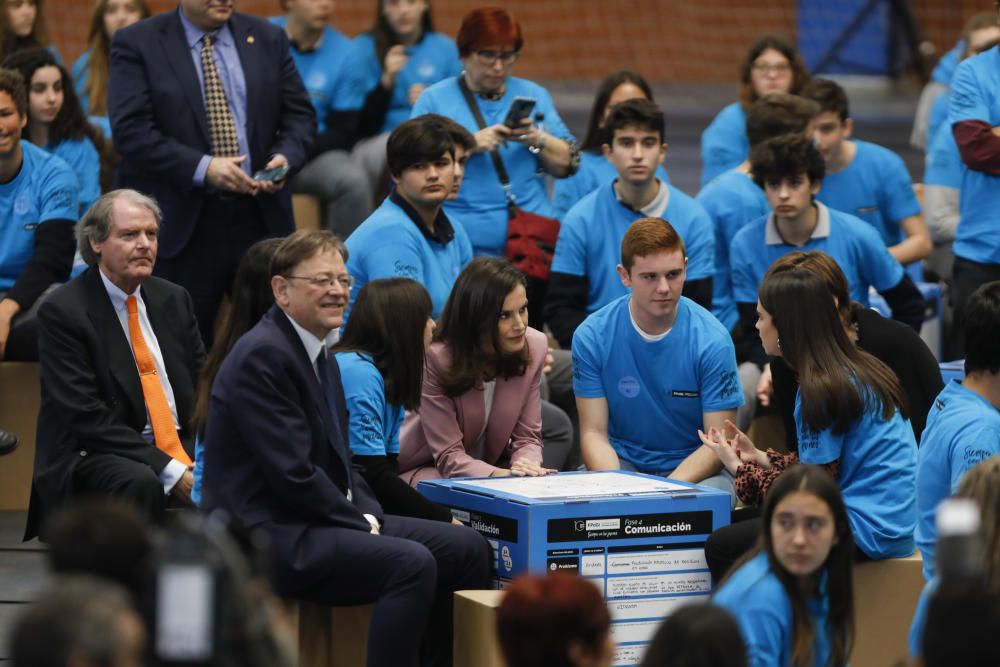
{"x": 276, "y": 459}
{"x": 200, "y": 100}
{"x": 120, "y": 353}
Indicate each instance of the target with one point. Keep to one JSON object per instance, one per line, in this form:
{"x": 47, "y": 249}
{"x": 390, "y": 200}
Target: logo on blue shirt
{"x": 730, "y": 383}
{"x": 628, "y": 387}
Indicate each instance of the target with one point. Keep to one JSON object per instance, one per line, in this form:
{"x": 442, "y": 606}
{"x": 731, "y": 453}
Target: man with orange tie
{"x": 120, "y": 354}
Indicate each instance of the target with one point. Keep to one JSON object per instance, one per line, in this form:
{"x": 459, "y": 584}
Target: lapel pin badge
{"x": 250, "y": 39}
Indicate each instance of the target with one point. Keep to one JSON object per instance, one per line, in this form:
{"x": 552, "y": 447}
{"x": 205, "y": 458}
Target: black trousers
{"x": 967, "y": 277}
{"x": 206, "y": 267}
{"x": 409, "y": 572}
{"x": 109, "y": 475}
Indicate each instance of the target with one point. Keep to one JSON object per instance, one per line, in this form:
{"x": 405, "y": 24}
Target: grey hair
{"x": 95, "y": 225}
{"x": 79, "y": 615}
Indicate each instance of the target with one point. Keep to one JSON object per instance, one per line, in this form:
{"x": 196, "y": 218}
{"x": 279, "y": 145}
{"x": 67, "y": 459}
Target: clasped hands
{"x": 733, "y": 447}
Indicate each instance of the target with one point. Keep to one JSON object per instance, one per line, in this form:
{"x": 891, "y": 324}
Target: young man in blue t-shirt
{"x": 963, "y": 427}
{"x": 791, "y": 169}
{"x": 322, "y": 56}
{"x": 409, "y": 235}
{"x": 733, "y": 200}
{"x": 865, "y": 179}
{"x": 583, "y": 277}
{"x": 974, "y": 117}
{"x": 652, "y": 367}
{"x": 38, "y": 208}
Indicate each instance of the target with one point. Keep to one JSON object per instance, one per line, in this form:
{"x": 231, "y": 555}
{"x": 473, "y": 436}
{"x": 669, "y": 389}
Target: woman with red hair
{"x": 555, "y": 620}
{"x": 489, "y": 43}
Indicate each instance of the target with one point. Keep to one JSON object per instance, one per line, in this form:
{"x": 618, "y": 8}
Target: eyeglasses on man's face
{"x": 325, "y": 281}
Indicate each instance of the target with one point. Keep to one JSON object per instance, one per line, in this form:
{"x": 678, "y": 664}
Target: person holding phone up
{"x": 489, "y": 43}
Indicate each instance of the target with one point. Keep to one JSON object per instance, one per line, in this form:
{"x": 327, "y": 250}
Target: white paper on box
{"x": 626, "y": 610}
{"x": 642, "y": 631}
{"x": 629, "y": 655}
{"x": 571, "y": 485}
{"x": 592, "y": 566}
{"x": 662, "y": 584}
{"x": 657, "y": 561}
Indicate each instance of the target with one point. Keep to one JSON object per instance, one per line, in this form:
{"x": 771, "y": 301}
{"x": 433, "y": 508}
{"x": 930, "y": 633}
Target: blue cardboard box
{"x": 639, "y": 538}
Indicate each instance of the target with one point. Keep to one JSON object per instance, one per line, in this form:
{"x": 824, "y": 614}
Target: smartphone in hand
{"x": 271, "y": 175}
{"x": 520, "y": 109}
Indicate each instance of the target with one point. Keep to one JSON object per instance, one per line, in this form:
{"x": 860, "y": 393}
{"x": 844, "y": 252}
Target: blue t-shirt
{"x": 657, "y": 391}
{"x": 732, "y": 200}
{"x": 963, "y": 429}
{"x": 595, "y": 171}
{"x": 432, "y": 59}
{"x": 943, "y": 165}
{"x": 945, "y": 68}
{"x": 875, "y": 187}
{"x": 481, "y": 206}
{"x": 83, "y": 159}
{"x": 877, "y": 476}
{"x": 763, "y": 612}
{"x": 81, "y": 70}
{"x": 916, "y": 639}
{"x": 590, "y": 240}
{"x": 44, "y": 189}
{"x": 724, "y": 142}
{"x": 373, "y": 423}
{"x": 326, "y": 73}
{"x": 390, "y": 244}
{"x": 854, "y": 244}
{"x": 975, "y": 95}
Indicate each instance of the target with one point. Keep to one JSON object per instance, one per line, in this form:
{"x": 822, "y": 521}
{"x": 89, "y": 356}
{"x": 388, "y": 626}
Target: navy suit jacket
{"x": 275, "y": 459}
{"x": 158, "y": 117}
{"x": 92, "y": 398}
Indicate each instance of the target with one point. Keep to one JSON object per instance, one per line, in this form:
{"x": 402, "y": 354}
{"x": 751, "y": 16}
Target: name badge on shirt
{"x": 684, "y": 393}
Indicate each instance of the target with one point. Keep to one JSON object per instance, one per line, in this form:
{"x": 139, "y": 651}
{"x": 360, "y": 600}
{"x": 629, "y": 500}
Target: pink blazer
{"x": 434, "y": 441}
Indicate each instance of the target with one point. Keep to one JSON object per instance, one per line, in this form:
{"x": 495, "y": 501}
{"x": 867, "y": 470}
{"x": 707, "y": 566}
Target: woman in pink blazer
{"x": 480, "y": 412}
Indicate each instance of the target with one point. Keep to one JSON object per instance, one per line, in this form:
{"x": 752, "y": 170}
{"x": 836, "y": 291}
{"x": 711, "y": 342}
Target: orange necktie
{"x": 164, "y": 433}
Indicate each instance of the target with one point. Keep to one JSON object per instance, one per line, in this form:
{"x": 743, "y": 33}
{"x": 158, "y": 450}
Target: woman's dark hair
{"x": 70, "y": 123}
{"x": 838, "y": 382}
{"x": 697, "y": 635}
{"x": 99, "y": 64}
{"x": 800, "y": 76}
{"x": 594, "y": 137}
{"x": 839, "y": 566}
{"x": 468, "y": 325}
{"x": 251, "y": 298}
{"x": 386, "y": 38}
{"x": 544, "y": 619}
{"x": 387, "y": 321}
{"x": 39, "y": 37}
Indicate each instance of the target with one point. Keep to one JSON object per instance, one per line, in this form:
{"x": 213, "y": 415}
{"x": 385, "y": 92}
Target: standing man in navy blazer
{"x": 200, "y": 100}
{"x": 276, "y": 459}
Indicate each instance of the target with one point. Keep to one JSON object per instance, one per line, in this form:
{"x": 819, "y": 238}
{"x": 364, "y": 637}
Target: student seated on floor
{"x": 652, "y": 367}
{"x": 963, "y": 427}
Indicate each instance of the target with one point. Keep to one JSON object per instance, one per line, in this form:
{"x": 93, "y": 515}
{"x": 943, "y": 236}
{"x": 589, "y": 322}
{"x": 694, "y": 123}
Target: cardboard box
{"x": 639, "y": 538}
